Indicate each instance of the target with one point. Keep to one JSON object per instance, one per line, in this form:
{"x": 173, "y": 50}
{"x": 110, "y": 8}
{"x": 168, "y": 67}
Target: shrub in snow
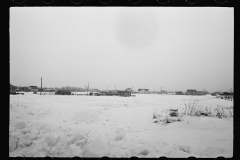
{"x": 192, "y": 108}
{"x": 224, "y": 112}
{"x": 167, "y": 116}
{"x": 155, "y": 114}
{"x": 173, "y": 112}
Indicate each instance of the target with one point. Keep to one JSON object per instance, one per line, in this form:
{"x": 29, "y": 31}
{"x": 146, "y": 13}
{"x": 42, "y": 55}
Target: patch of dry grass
{"x": 191, "y": 108}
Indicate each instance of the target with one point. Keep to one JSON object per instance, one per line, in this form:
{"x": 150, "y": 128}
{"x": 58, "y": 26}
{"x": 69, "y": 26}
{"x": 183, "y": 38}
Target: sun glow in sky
{"x": 176, "y": 48}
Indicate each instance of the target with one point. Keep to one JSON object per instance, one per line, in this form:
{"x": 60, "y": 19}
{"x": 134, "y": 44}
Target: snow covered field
{"x": 96, "y": 126}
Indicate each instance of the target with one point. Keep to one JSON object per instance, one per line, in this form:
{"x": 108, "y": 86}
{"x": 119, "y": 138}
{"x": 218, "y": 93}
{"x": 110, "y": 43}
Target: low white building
{"x": 80, "y": 93}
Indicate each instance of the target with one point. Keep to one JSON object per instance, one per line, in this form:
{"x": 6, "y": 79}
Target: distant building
{"x": 79, "y": 93}
{"x": 33, "y": 88}
{"x": 201, "y": 93}
{"x": 179, "y": 93}
{"x": 164, "y": 92}
{"x": 109, "y": 93}
{"x": 63, "y": 92}
{"x": 112, "y": 93}
{"x": 49, "y": 90}
{"x": 95, "y": 93}
{"x": 154, "y": 92}
{"x": 124, "y": 93}
{"x": 129, "y": 90}
{"x": 143, "y": 91}
{"x": 191, "y": 92}
{"x": 95, "y": 90}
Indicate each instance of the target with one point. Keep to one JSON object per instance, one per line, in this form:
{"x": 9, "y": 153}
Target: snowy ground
{"x": 96, "y": 126}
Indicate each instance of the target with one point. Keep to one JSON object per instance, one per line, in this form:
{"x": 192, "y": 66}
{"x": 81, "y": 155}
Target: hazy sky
{"x": 176, "y": 48}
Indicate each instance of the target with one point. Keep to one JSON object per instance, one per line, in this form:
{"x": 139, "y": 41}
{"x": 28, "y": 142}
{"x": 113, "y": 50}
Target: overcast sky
{"x": 176, "y": 48}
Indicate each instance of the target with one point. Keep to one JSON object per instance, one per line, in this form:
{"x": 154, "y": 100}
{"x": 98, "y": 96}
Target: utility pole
{"x": 41, "y": 86}
{"x": 88, "y": 88}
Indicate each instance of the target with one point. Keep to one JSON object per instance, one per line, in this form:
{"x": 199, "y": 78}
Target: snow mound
{"x": 76, "y": 150}
{"x": 184, "y": 148}
{"x": 77, "y": 137}
{"x": 12, "y": 144}
{"x": 51, "y": 140}
{"x": 141, "y": 150}
{"x": 20, "y": 125}
{"x": 45, "y": 127}
{"x": 98, "y": 148}
{"x": 120, "y": 133}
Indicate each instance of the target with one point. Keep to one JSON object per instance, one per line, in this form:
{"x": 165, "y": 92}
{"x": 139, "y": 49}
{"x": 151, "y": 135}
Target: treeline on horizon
{"x": 71, "y": 89}
{"x": 79, "y": 89}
